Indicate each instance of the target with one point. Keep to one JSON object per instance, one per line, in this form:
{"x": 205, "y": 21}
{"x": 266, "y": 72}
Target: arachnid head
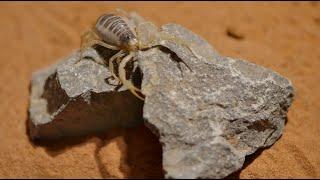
{"x": 130, "y": 42}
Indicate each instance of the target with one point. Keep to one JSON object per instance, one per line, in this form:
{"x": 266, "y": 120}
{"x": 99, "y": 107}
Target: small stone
{"x": 235, "y": 33}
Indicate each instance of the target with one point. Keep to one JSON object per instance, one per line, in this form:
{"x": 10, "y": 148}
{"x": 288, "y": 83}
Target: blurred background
{"x": 282, "y": 36}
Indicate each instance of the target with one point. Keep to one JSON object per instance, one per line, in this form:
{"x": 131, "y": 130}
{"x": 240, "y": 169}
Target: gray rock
{"x": 209, "y": 111}
{"x": 73, "y": 99}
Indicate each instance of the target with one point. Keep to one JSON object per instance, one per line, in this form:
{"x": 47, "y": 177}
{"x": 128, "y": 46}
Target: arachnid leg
{"x": 122, "y": 76}
{"x": 165, "y": 36}
{"x": 107, "y": 80}
{"x": 101, "y": 43}
{"x": 122, "y": 12}
{"x": 119, "y": 54}
{"x": 147, "y": 34}
{"x": 90, "y": 38}
{"x": 122, "y": 71}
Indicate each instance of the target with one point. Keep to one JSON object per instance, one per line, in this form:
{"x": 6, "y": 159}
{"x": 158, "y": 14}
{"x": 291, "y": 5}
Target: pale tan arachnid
{"x": 114, "y": 32}
{"x": 117, "y": 32}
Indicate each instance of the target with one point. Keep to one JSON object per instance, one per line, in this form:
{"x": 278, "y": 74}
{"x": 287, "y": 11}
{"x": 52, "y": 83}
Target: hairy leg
{"x": 122, "y": 76}
{"x": 119, "y": 54}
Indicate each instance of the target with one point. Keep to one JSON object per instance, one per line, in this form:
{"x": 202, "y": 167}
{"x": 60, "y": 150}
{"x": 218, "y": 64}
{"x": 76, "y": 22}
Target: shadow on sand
{"x": 141, "y": 152}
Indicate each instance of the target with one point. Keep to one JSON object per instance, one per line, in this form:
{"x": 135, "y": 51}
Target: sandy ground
{"x": 281, "y": 36}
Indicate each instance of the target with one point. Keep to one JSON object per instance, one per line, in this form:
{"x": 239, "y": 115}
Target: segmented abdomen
{"x": 114, "y": 29}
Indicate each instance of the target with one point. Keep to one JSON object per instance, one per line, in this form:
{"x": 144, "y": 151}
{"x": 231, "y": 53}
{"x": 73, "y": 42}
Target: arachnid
{"x": 117, "y": 32}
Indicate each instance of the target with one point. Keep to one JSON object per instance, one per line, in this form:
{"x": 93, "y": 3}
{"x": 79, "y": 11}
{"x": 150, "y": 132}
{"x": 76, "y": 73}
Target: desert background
{"x": 282, "y": 36}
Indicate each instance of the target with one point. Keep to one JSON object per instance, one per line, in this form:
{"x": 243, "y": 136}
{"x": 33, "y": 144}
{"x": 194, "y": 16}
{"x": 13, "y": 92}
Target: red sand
{"x": 281, "y": 36}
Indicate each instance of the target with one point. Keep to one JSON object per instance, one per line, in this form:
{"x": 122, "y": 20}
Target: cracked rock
{"x": 209, "y": 117}
{"x": 208, "y": 111}
{"x": 73, "y": 99}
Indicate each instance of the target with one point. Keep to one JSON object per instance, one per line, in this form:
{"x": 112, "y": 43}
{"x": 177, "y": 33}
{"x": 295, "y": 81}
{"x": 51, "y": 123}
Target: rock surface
{"x": 209, "y": 117}
{"x": 73, "y": 99}
{"x": 209, "y": 111}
